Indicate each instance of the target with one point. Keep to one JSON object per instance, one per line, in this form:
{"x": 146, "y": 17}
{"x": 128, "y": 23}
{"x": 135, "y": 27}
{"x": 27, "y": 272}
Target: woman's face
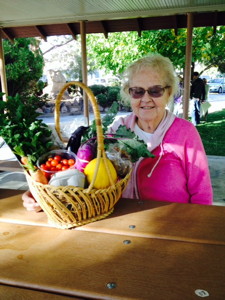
{"x": 148, "y": 108}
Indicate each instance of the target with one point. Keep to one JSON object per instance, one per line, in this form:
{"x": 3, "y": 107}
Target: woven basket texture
{"x": 70, "y": 206}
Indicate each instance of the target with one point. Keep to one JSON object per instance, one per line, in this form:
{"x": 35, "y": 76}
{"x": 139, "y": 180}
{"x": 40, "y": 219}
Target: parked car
{"x": 217, "y": 85}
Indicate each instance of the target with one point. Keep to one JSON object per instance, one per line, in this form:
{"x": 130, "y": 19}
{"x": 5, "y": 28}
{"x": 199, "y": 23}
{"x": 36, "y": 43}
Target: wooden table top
{"x": 175, "y": 221}
{"x": 144, "y": 250}
{"x": 86, "y": 264}
{"x": 11, "y": 292}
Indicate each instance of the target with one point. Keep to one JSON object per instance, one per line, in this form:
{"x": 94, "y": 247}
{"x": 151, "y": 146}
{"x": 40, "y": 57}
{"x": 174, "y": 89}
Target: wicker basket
{"x": 69, "y": 206}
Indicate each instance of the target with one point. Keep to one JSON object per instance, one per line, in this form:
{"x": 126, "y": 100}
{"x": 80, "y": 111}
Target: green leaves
{"x": 120, "y": 49}
{"x": 124, "y": 132}
{"x": 22, "y": 131}
{"x": 24, "y": 64}
{"x": 124, "y": 138}
{"x": 130, "y": 142}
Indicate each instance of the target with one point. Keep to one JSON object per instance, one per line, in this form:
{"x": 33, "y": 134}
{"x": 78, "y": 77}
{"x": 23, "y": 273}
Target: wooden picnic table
{"x": 144, "y": 250}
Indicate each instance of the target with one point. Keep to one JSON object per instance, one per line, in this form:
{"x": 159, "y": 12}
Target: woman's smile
{"x": 144, "y": 107}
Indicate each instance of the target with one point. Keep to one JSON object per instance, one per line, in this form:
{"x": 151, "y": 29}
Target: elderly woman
{"x": 179, "y": 171}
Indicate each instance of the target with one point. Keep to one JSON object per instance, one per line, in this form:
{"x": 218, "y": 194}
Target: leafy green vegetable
{"x": 124, "y": 139}
{"x": 22, "y": 131}
{"x": 130, "y": 142}
{"x": 123, "y": 131}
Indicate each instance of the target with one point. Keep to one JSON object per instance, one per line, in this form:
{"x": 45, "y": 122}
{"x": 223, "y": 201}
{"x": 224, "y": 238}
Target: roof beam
{"x": 41, "y": 32}
{"x": 215, "y": 21}
{"x": 175, "y": 25}
{"x": 7, "y": 35}
{"x": 212, "y": 19}
{"x": 104, "y": 28}
{"x": 139, "y": 26}
{"x": 71, "y": 30}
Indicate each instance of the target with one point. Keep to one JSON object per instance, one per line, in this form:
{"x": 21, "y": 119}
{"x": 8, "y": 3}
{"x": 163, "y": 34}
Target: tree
{"x": 64, "y": 53}
{"x": 213, "y": 44}
{"x": 24, "y": 65}
{"x": 120, "y": 49}
{"x": 113, "y": 53}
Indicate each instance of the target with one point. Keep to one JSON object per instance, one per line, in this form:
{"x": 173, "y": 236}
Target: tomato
{"x": 44, "y": 167}
{"x": 54, "y": 163}
{"x": 48, "y": 164}
{"x": 65, "y": 162}
{"x": 71, "y": 162}
{"x": 59, "y": 167}
{"x": 53, "y": 169}
{"x": 65, "y": 168}
{"x": 57, "y": 157}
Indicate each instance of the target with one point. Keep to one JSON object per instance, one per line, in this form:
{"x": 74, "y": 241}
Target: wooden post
{"x": 187, "y": 73}
{"x": 2, "y": 70}
{"x": 84, "y": 68}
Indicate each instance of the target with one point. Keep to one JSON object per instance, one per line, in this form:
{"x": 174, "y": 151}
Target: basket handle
{"x": 100, "y": 137}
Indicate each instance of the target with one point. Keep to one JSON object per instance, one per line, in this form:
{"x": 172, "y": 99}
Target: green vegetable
{"x": 128, "y": 141}
{"x": 22, "y": 131}
{"x": 125, "y": 139}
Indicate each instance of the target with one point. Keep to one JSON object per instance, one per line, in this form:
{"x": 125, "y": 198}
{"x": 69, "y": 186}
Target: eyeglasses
{"x": 155, "y": 91}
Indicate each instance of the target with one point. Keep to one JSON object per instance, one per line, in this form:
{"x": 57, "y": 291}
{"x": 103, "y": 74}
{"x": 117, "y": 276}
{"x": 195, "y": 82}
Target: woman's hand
{"x": 30, "y": 203}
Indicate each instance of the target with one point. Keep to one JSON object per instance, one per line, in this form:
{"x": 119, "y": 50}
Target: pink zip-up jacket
{"x": 179, "y": 171}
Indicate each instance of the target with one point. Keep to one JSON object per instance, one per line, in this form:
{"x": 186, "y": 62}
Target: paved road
{"x": 217, "y": 102}
{"x": 216, "y": 97}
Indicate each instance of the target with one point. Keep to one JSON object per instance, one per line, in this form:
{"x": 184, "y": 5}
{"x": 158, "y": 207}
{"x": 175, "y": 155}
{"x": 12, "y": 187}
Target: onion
{"x": 85, "y": 153}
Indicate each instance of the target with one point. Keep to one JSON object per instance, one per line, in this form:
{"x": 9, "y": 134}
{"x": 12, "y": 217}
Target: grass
{"x": 212, "y": 133}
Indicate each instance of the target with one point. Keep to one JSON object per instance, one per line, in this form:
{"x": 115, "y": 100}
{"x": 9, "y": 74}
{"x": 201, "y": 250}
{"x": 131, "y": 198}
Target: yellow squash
{"x": 102, "y": 179}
